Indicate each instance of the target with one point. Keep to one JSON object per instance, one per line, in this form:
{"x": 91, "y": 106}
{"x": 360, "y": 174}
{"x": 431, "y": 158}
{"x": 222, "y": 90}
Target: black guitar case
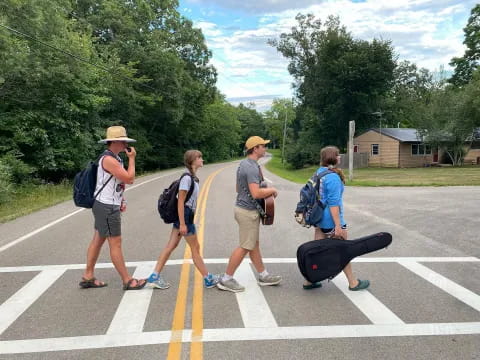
{"x": 324, "y": 259}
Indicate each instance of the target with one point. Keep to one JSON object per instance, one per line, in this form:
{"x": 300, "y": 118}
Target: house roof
{"x": 401, "y": 134}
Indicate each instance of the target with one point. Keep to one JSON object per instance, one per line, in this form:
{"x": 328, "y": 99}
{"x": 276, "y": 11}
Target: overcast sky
{"x": 426, "y": 32}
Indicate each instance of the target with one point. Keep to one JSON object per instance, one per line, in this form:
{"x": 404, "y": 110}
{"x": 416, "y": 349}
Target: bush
{"x": 301, "y": 155}
{"x": 18, "y": 170}
{"x": 6, "y": 186}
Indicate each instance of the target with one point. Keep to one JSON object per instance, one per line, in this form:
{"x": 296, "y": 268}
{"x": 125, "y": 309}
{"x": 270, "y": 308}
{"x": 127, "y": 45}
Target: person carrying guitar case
{"x": 247, "y": 216}
{"x": 332, "y": 223}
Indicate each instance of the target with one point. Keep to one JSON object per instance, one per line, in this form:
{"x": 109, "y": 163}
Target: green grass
{"x": 30, "y": 198}
{"x": 432, "y": 176}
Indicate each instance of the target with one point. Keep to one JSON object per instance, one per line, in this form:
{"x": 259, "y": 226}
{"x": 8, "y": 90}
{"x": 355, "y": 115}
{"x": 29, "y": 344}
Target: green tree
{"x": 412, "y": 90}
{"x": 336, "y": 76}
{"x": 452, "y": 119}
{"x": 468, "y": 63}
{"x": 251, "y": 123}
{"x": 278, "y": 121}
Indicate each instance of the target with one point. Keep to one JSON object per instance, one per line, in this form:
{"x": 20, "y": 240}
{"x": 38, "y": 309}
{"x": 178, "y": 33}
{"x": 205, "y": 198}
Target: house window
{"x": 355, "y": 148}
{"x": 421, "y": 149}
{"x": 375, "y": 149}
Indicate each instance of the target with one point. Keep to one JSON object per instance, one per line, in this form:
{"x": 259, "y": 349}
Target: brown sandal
{"x": 90, "y": 283}
{"x": 140, "y": 284}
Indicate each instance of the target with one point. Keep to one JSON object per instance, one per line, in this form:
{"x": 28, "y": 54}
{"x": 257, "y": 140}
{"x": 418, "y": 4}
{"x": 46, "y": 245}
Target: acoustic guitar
{"x": 268, "y": 206}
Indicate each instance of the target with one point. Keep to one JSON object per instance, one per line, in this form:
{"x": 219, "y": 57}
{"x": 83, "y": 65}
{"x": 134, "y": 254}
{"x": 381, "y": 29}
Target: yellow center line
{"x": 196, "y": 347}
{"x": 178, "y": 323}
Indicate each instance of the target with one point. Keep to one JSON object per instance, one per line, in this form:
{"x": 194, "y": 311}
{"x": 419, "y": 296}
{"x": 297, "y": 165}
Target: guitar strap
{"x": 255, "y": 202}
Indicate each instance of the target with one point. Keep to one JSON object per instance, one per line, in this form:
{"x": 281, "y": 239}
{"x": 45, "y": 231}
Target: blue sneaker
{"x": 157, "y": 281}
{"x": 211, "y": 280}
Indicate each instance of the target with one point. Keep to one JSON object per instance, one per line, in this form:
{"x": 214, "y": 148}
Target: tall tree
{"x": 466, "y": 65}
{"x": 336, "y": 76}
{"x": 412, "y": 90}
{"x": 279, "y": 120}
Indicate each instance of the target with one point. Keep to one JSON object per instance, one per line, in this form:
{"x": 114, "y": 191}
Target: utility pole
{"x": 284, "y": 133}
{"x": 351, "y": 133}
{"x": 379, "y": 114}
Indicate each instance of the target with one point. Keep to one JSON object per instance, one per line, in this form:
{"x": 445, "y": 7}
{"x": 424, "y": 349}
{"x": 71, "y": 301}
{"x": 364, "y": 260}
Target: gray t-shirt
{"x": 248, "y": 172}
{"x": 185, "y": 185}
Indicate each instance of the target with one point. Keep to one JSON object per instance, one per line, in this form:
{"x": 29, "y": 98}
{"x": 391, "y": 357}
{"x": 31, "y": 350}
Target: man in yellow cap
{"x": 247, "y": 216}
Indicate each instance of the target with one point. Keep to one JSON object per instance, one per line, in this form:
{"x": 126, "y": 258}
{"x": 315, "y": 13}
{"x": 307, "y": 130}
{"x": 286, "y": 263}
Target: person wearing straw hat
{"x": 111, "y": 180}
{"x": 248, "y": 218}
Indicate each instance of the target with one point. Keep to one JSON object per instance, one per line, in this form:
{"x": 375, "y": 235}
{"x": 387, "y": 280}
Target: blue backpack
{"x": 309, "y": 211}
{"x": 85, "y": 182}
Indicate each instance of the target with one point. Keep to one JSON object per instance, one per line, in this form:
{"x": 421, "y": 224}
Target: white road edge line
{"x": 368, "y": 304}
{"x": 30, "y": 234}
{"x": 447, "y": 285}
{"x": 252, "y": 303}
{"x": 225, "y": 261}
{"x": 239, "y": 334}
{"x": 133, "y": 308}
{"x": 19, "y": 302}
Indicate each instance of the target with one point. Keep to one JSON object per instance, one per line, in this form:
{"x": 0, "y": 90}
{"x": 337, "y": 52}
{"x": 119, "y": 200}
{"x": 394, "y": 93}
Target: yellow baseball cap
{"x": 255, "y": 141}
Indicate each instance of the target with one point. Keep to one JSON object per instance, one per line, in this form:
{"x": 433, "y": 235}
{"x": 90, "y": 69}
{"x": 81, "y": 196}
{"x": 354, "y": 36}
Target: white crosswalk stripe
{"x": 126, "y": 327}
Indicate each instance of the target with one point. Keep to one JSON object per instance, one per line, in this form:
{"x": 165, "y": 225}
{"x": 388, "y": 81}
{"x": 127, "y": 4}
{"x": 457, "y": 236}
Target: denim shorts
{"x": 189, "y": 215}
{"x": 331, "y": 231}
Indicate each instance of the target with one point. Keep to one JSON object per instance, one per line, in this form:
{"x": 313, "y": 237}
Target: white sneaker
{"x": 269, "y": 280}
{"x": 230, "y": 285}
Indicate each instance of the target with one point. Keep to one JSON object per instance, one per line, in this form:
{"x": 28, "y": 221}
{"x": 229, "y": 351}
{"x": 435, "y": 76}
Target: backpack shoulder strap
{"x": 105, "y": 153}
{"x": 192, "y": 185}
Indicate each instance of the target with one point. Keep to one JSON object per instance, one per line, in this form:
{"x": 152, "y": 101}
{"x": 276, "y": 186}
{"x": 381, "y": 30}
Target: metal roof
{"x": 401, "y": 134}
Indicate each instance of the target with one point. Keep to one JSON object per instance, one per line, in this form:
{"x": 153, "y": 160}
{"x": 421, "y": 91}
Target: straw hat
{"x": 116, "y": 133}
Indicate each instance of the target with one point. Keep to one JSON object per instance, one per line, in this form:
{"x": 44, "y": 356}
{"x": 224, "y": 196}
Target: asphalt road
{"x": 424, "y": 301}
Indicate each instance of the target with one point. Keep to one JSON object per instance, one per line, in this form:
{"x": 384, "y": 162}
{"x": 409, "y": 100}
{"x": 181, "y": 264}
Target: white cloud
{"x": 426, "y": 32}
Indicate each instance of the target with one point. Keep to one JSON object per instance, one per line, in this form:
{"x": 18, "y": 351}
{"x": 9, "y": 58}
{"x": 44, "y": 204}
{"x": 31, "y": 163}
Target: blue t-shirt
{"x": 331, "y": 194}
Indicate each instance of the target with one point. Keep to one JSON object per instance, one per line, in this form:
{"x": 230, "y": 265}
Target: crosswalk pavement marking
{"x": 368, "y": 304}
{"x": 238, "y": 334}
{"x": 132, "y": 311}
{"x": 11, "y": 309}
{"x": 447, "y": 285}
{"x": 253, "y": 306}
{"x": 126, "y": 327}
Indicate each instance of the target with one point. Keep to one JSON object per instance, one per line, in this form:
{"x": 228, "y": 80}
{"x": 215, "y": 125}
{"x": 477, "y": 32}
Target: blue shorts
{"x": 189, "y": 215}
{"x": 331, "y": 231}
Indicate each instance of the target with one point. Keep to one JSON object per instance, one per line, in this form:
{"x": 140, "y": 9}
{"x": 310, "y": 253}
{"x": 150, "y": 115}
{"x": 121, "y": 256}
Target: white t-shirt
{"x": 185, "y": 185}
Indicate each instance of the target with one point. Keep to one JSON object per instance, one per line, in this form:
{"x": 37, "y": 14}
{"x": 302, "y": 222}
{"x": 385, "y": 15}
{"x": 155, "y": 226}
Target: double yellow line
{"x": 178, "y": 323}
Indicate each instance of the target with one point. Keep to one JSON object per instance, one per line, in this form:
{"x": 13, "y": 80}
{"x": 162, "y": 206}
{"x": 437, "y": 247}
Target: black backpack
{"x": 85, "y": 182}
{"x": 309, "y": 210}
{"x": 168, "y": 202}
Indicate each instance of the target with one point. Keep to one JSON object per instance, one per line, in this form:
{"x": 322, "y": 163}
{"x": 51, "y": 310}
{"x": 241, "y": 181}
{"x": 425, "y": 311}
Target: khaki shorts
{"x": 249, "y": 227}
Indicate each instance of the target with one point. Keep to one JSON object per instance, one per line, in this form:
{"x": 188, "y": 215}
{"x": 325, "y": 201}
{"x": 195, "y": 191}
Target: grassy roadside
{"x": 433, "y": 176}
{"x": 30, "y": 198}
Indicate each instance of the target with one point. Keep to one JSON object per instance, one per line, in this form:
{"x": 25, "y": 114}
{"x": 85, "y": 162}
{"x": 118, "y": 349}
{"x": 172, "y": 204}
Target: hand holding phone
{"x": 130, "y": 151}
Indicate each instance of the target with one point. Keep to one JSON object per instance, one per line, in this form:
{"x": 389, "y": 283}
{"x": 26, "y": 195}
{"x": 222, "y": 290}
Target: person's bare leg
{"x": 192, "y": 241}
{"x": 115, "y": 243}
{"x": 167, "y": 251}
{"x": 348, "y": 271}
{"x": 235, "y": 260}
{"x": 256, "y": 257}
{"x": 92, "y": 255}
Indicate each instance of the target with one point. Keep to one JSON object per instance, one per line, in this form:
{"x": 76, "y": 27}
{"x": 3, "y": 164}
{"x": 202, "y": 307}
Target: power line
{"x": 101, "y": 67}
